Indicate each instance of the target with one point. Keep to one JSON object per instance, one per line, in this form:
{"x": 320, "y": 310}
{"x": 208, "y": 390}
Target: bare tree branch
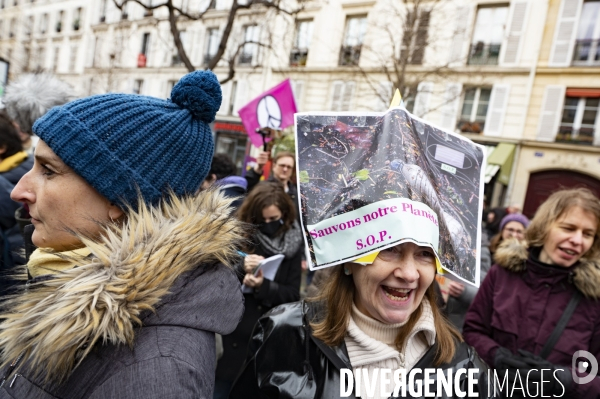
{"x": 175, "y": 13}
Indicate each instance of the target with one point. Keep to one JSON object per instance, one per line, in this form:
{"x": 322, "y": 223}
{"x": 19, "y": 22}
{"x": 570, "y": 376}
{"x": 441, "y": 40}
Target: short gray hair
{"x": 32, "y": 95}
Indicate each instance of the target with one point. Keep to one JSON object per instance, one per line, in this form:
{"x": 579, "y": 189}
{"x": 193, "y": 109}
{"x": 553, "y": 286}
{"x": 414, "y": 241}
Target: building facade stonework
{"x": 523, "y": 73}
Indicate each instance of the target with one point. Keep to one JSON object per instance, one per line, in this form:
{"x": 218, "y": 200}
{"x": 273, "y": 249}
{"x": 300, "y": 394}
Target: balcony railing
{"x": 298, "y": 57}
{"x": 350, "y": 55}
{"x": 484, "y": 54}
{"x": 566, "y": 134}
{"x": 587, "y": 52}
{"x": 176, "y": 60}
{"x": 245, "y": 58}
{"x": 466, "y": 126}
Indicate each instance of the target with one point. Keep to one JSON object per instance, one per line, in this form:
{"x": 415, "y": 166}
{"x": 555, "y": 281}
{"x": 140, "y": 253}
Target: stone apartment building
{"x": 520, "y": 76}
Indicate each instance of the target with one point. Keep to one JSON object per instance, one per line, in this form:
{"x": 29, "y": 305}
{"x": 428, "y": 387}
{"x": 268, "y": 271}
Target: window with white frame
{"x": 409, "y": 96}
{"x": 41, "y": 61}
{"x": 103, "y": 5}
{"x": 56, "y": 58}
{"x": 170, "y": 85}
{"x": 176, "y": 59}
{"x": 29, "y": 26}
{"x": 138, "y": 85}
{"x": 221, "y": 4}
{"x": 299, "y": 52}
{"x": 414, "y": 36}
{"x": 73, "y": 58}
{"x": 474, "y": 109}
{"x": 579, "y": 122}
{"x": 488, "y": 35}
{"x": 59, "y": 21}
{"x": 232, "y": 98}
{"x": 213, "y": 39}
{"x": 44, "y": 23}
{"x": 26, "y": 58}
{"x": 142, "y": 60}
{"x": 249, "y": 52}
{"x": 77, "y": 19}
{"x": 354, "y": 35}
{"x": 587, "y": 49}
{"x": 125, "y": 11}
{"x": 341, "y": 95}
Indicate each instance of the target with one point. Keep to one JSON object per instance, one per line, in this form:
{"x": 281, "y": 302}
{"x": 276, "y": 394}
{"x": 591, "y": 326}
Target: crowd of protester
{"x": 142, "y": 259}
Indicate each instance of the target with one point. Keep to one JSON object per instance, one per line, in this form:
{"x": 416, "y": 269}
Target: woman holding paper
{"x": 554, "y": 274}
{"x": 378, "y": 315}
{"x": 271, "y": 210}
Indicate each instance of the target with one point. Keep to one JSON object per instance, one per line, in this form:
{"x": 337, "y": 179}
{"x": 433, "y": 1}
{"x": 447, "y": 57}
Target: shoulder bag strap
{"x": 560, "y": 326}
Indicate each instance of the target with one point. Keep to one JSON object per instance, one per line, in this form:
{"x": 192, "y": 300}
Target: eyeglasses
{"x": 516, "y": 232}
{"x": 284, "y": 166}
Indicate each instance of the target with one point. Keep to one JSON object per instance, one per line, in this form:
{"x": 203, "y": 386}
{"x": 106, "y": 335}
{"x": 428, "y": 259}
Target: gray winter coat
{"x": 158, "y": 306}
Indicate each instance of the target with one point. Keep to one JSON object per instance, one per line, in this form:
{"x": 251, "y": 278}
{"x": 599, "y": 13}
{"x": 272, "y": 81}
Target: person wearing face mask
{"x": 538, "y": 305}
{"x": 382, "y": 315}
{"x": 271, "y": 210}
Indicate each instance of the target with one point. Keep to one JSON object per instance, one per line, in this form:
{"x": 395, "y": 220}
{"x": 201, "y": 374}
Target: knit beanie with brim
{"x": 514, "y": 217}
{"x": 127, "y": 145}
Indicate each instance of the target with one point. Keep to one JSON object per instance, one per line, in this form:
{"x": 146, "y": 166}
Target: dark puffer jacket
{"x": 520, "y": 302}
{"x": 286, "y": 361}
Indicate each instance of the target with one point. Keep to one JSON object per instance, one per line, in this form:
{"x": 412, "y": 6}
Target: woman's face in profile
{"x": 392, "y": 288}
{"x": 60, "y": 200}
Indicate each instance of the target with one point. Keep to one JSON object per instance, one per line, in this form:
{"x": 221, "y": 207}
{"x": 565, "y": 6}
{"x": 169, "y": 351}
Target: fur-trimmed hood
{"x": 129, "y": 281}
{"x": 512, "y": 255}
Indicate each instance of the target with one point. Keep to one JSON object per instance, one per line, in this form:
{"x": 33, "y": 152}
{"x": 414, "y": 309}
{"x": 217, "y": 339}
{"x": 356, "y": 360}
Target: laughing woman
{"x": 516, "y": 319}
{"x": 130, "y": 281}
{"x": 380, "y": 316}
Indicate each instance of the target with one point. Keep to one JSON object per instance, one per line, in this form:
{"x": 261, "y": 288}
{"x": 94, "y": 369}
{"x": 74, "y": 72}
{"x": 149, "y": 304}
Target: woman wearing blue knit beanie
{"x": 131, "y": 279}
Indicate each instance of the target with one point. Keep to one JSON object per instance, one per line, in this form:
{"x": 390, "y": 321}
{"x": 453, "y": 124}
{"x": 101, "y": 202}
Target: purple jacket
{"x": 520, "y": 302}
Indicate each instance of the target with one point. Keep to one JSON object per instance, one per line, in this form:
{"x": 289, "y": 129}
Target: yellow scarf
{"x": 42, "y": 262}
{"x": 13, "y": 161}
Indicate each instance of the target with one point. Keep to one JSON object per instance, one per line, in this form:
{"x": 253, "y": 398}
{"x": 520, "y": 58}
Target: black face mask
{"x": 271, "y": 228}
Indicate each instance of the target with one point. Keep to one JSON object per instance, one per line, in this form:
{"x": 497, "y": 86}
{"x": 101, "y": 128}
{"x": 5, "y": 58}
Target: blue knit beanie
{"x": 122, "y": 143}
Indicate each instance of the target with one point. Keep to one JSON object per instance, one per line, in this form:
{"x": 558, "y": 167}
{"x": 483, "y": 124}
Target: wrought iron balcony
{"x": 350, "y": 55}
{"x": 484, "y": 54}
{"x": 245, "y": 58}
{"x": 298, "y": 57}
{"x": 466, "y": 126}
{"x": 566, "y": 134}
{"x": 587, "y": 52}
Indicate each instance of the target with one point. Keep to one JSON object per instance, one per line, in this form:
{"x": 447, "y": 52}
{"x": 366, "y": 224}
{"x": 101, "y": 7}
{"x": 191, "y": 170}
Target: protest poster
{"x": 369, "y": 181}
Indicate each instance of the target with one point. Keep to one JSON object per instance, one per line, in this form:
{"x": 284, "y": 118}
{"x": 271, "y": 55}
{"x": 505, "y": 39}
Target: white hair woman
{"x": 130, "y": 281}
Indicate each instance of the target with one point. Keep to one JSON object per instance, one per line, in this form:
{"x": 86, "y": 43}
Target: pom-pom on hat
{"x": 125, "y": 144}
{"x": 514, "y": 217}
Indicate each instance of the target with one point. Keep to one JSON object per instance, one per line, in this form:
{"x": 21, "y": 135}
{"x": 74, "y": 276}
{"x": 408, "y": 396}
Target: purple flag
{"x": 274, "y": 108}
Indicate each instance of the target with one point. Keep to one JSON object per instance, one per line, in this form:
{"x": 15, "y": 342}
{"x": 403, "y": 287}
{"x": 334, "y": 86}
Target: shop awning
{"x": 501, "y": 158}
{"x": 490, "y": 171}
